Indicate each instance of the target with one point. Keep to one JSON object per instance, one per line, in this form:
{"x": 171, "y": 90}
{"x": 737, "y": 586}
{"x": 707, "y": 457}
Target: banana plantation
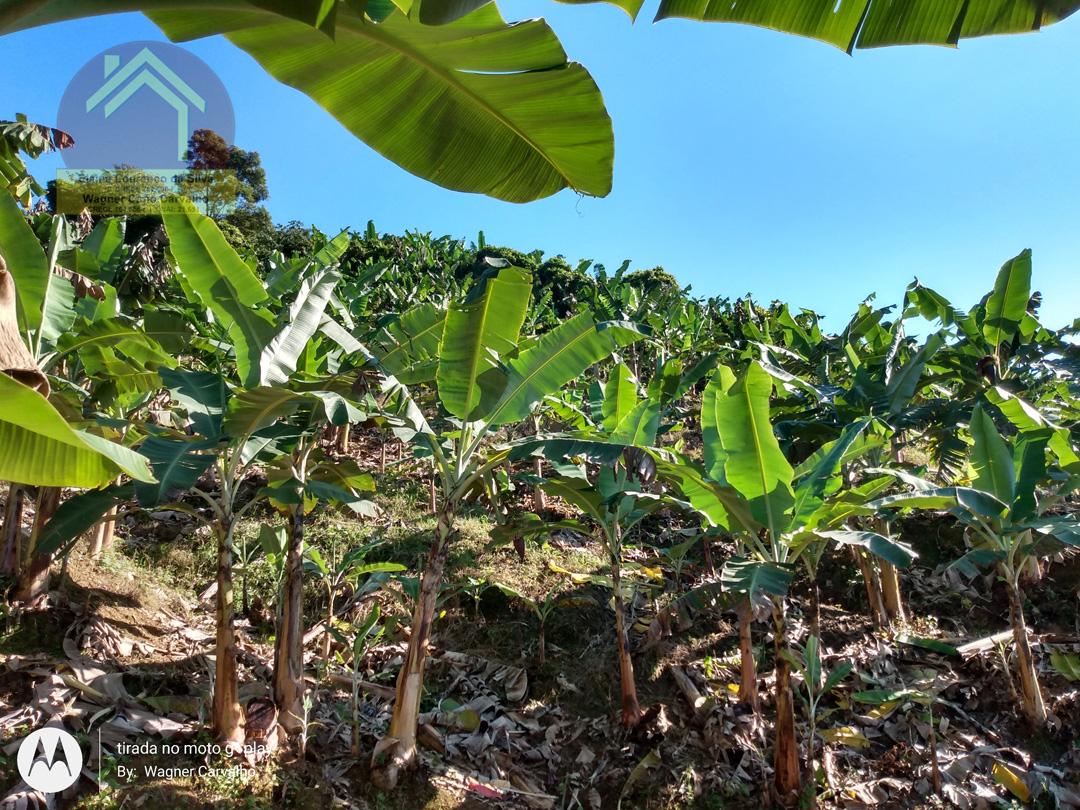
{"x": 367, "y": 520}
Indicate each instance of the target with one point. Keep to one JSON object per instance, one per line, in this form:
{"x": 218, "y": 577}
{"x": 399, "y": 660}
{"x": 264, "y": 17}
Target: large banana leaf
{"x": 560, "y": 446}
{"x": 975, "y": 501}
{"x": 440, "y": 12}
{"x": 820, "y": 476}
{"x": 223, "y": 282}
{"x": 201, "y": 394}
{"x": 58, "y": 308}
{"x": 755, "y": 578}
{"x": 525, "y": 121}
{"x": 1007, "y": 304}
{"x": 850, "y": 24}
{"x": 991, "y": 458}
{"x": 19, "y": 14}
{"x": 712, "y": 446}
{"x": 556, "y": 358}
{"x": 639, "y": 426}
{"x": 1025, "y": 417}
{"x": 720, "y": 505}
{"x": 177, "y": 466}
{"x": 905, "y": 380}
{"x": 620, "y": 396}
{"x": 879, "y": 545}
{"x": 38, "y": 446}
{"x": 410, "y": 346}
{"x": 1029, "y": 459}
{"x": 26, "y": 262}
{"x": 754, "y": 465}
{"x": 124, "y": 335}
{"x": 476, "y": 333}
{"x": 278, "y": 359}
{"x": 77, "y": 515}
{"x": 257, "y": 408}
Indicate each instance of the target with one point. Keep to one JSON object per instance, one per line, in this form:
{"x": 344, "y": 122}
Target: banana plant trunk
{"x": 343, "y": 439}
{"x": 890, "y": 591}
{"x": 539, "y": 496}
{"x": 397, "y": 752}
{"x": 226, "y": 715}
{"x": 101, "y": 539}
{"x": 631, "y": 708}
{"x": 289, "y": 648}
{"x": 815, "y": 606}
{"x": 1030, "y": 692}
{"x": 33, "y": 580}
{"x": 873, "y": 588}
{"x": 889, "y": 577}
{"x": 11, "y": 529}
{"x": 748, "y": 686}
{"x": 786, "y": 779}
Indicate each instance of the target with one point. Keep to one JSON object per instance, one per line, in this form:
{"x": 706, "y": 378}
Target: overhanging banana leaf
{"x": 19, "y": 14}
{"x": 720, "y": 505}
{"x": 559, "y": 446}
{"x": 440, "y": 12}
{"x": 850, "y": 24}
{"x": 257, "y": 408}
{"x": 524, "y": 121}
{"x": 973, "y": 500}
{"x": 125, "y": 335}
{"x": 40, "y": 448}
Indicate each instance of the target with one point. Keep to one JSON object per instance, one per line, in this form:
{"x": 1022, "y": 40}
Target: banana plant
{"x": 542, "y": 609}
{"x": 38, "y": 305}
{"x": 348, "y": 571}
{"x": 486, "y": 376}
{"x": 615, "y": 497}
{"x": 1006, "y": 510}
{"x": 748, "y": 487}
{"x": 816, "y": 684}
{"x": 33, "y": 140}
{"x": 223, "y": 430}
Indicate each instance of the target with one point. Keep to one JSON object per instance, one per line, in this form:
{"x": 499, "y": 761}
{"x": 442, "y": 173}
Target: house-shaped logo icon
{"x": 146, "y": 70}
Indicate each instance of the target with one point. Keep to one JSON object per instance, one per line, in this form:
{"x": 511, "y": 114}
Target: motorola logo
{"x": 50, "y": 760}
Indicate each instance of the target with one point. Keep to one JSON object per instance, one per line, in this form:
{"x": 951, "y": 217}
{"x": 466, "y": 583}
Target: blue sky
{"x": 746, "y": 160}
